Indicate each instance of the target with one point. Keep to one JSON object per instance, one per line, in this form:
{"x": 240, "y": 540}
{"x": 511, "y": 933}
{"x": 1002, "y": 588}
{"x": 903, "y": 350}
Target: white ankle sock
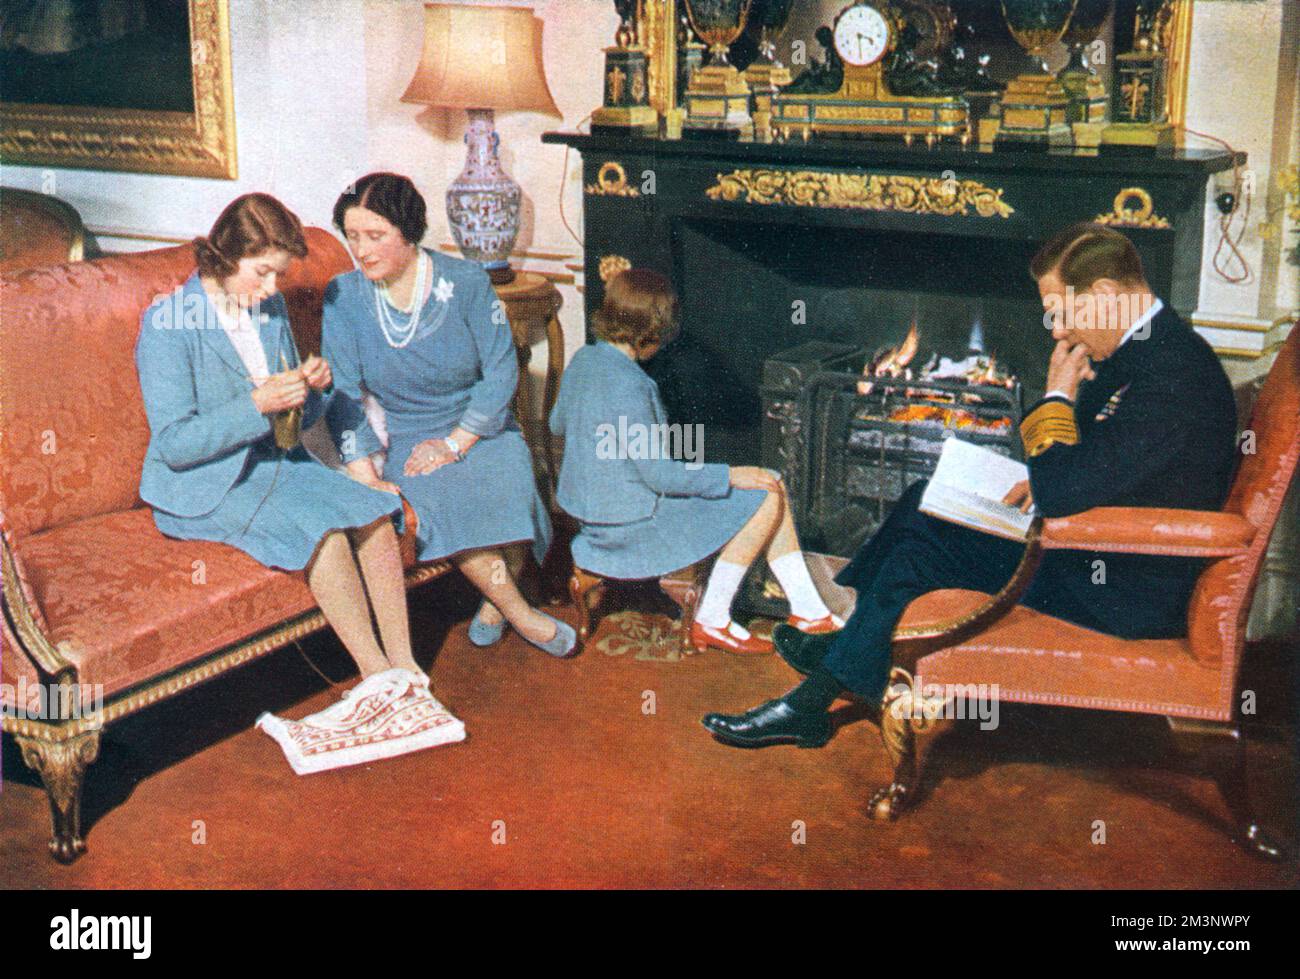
{"x": 714, "y": 609}
{"x": 805, "y": 601}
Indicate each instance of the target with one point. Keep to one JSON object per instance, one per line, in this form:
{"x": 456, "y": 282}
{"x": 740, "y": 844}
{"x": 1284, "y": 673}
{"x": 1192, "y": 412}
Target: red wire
{"x": 1225, "y": 220}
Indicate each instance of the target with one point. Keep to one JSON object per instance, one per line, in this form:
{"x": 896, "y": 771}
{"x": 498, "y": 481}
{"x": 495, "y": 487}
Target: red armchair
{"x": 955, "y": 637}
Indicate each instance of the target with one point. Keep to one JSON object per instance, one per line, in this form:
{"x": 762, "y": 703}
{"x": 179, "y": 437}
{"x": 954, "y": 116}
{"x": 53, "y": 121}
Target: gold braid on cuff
{"x": 1049, "y": 423}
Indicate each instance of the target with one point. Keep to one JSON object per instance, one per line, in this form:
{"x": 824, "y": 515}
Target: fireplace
{"x": 748, "y": 293}
{"x": 831, "y": 249}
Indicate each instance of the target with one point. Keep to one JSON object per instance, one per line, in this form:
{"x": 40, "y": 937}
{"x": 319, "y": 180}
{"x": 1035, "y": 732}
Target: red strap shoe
{"x": 703, "y": 636}
{"x": 817, "y": 627}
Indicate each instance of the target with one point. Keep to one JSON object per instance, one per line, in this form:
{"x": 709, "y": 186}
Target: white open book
{"x": 968, "y": 486}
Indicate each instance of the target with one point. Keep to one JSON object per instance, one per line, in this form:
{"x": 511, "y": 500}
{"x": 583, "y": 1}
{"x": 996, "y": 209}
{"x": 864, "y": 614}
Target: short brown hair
{"x": 640, "y": 308}
{"x": 250, "y": 225}
{"x": 1086, "y": 252}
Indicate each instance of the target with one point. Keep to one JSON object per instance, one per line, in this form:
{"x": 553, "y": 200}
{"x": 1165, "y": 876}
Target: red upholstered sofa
{"x": 96, "y": 600}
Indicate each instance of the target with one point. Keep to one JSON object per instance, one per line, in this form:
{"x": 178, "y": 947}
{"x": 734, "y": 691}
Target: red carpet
{"x": 596, "y": 772}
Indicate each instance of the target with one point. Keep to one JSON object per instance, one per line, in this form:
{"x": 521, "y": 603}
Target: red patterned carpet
{"x": 569, "y": 779}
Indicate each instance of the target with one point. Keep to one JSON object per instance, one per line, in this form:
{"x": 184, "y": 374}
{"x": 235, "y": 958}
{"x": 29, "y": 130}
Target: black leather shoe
{"x": 800, "y": 649}
{"x": 774, "y": 722}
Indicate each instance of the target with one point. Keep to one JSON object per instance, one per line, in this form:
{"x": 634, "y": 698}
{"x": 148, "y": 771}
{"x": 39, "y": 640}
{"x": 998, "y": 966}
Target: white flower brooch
{"x": 442, "y": 292}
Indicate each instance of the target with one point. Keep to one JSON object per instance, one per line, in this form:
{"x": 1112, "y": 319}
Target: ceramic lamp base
{"x": 483, "y": 202}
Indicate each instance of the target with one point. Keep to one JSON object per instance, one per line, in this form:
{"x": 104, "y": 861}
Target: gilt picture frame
{"x": 195, "y": 138}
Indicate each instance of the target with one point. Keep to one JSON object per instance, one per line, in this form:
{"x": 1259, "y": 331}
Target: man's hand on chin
{"x": 1068, "y": 368}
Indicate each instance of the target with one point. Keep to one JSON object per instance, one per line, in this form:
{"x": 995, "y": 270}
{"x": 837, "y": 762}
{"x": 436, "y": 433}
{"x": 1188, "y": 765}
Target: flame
{"x": 892, "y": 364}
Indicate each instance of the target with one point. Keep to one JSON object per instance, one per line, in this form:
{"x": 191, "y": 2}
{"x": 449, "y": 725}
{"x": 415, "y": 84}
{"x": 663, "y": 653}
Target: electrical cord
{"x": 1226, "y": 237}
{"x": 564, "y": 179}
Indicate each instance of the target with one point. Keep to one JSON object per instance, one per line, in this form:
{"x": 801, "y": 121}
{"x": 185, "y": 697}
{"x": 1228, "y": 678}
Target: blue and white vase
{"x": 483, "y": 202}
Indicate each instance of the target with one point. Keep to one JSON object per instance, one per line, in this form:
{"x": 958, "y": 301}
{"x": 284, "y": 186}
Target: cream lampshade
{"x": 482, "y": 59}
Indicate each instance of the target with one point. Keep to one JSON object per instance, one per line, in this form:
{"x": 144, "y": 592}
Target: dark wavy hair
{"x": 250, "y": 225}
{"x": 640, "y": 308}
{"x": 391, "y": 196}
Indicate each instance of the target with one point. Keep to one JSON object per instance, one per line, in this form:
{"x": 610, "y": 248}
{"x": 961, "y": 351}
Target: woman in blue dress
{"x": 646, "y": 511}
{"x": 425, "y": 335}
{"x": 217, "y": 362}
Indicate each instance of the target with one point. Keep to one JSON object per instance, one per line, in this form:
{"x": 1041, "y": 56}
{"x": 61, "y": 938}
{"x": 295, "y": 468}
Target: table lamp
{"x": 482, "y": 59}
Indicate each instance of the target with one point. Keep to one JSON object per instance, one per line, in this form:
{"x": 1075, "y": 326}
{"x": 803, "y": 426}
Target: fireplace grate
{"x": 847, "y": 456}
{"x": 864, "y": 450}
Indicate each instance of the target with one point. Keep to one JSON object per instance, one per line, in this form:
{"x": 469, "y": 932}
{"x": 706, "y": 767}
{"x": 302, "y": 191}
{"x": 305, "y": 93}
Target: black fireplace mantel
{"x": 1159, "y": 200}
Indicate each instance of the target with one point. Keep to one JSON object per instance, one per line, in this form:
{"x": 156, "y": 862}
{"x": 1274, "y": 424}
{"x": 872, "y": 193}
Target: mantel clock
{"x": 863, "y": 37}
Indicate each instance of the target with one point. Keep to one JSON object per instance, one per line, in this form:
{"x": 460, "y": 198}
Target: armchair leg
{"x": 586, "y": 590}
{"x": 1223, "y": 749}
{"x": 62, "y": 766}
{"x": 909, "y": 734}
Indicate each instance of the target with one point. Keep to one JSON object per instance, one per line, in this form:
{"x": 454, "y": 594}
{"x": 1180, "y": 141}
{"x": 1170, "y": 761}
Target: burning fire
{"x": 976, "y": 369}
{"x": 893, "y": 363}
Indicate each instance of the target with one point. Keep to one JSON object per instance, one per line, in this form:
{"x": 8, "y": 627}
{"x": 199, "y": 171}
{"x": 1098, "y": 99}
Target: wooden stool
{"x": 684, "y": 587}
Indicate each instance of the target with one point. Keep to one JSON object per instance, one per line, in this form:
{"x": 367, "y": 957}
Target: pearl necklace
{"x": 399, "y": 335}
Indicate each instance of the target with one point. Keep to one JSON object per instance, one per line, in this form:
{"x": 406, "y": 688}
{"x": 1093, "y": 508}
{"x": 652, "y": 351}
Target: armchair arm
{"x": 913, "y": 642}
{"x": 25, "y": 623}
{"x": 1150, "y": 530}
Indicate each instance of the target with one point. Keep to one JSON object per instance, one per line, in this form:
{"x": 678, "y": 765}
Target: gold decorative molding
{"x": 861, "y": 191}
{"x": 611, "y": 181}
{"x": 1178, "y": 49}
{"x": 659, "y": 38}
{"x": 612, "y": 265}
{"x": 192, "y": 144}
{"x": 1133, "y": 208}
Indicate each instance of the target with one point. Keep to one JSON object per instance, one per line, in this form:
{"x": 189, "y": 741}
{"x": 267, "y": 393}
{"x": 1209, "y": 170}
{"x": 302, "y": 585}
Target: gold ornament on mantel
{"x": 862, "y": 192}
{"x": 611, "y": 181}
{"x": 1133, "y": 208}
{"x": 626, "y": 108}
{"x": 718, "y": 97}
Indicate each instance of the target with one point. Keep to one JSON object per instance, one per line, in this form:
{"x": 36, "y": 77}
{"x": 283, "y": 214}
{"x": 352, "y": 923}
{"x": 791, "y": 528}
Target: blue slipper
{"x": 482, "y": 634}
{"x": 562, "y": 643}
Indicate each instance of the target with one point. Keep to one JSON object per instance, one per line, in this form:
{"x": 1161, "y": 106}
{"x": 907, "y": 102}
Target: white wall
{"x": 1243, "y": 88}
{"x": 317, "y": 85}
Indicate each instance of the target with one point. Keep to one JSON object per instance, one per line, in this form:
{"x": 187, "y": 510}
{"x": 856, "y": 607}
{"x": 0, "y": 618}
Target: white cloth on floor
{"x": 385, "y": 715}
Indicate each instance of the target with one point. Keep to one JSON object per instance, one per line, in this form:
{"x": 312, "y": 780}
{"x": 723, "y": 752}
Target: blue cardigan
{"x": 604, "y": 387}
{"x": 197, "y": 396}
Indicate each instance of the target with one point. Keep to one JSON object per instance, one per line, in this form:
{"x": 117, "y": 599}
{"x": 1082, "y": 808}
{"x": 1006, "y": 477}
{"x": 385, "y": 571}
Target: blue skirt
{"x": 487, "y": 499}
{"x": 282, "y": 507}
{"x": 681, "y": 531}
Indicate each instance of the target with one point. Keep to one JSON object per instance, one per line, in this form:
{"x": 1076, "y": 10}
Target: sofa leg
{"x": 909, "y": 735}
{"x": 62, "y": 766}
{"x": 1222, "y": 748}
{"x": 586, "y": 590}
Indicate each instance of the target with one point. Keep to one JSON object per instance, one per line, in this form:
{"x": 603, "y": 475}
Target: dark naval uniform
{"x": 1156, "y": 427}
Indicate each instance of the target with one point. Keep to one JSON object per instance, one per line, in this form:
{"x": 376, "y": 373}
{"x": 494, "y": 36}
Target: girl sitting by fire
{"x": 643, "y": 514}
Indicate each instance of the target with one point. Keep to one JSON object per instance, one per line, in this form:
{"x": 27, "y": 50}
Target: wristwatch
{"x": 456, "y": 450}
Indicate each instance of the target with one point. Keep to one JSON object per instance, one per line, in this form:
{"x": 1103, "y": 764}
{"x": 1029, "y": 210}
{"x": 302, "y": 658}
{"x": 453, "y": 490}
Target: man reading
{"x": 1138, "y": 412}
